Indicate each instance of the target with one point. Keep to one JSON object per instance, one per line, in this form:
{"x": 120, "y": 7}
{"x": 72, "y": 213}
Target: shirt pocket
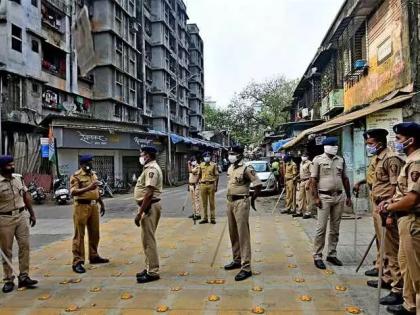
{"x": 239, "y": 179}
{"x": 381, "y": 175}
{"x": 326, "y": 169}
{"x": 5, "y": 193}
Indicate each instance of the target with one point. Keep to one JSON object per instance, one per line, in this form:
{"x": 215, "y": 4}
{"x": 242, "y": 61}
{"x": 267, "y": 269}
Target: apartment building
{"x": 196, "y": 81}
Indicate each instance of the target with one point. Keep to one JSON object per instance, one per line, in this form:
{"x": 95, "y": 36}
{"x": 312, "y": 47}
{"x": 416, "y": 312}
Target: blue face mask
{"x": 401, "y": 146}
{"x": 371, "y": 149}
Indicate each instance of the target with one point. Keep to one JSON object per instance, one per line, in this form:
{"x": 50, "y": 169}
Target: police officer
{"x": 387, "y": 168}
{"x": 209, "y": 180}
{"x": 405, "y": 205}
{"x": 147, "y": 195}
{"x": 304, "y": 195}
{"x": 84, "y": 189}
{"x": 14, "y": 199}
{"x": 194, "y": 188}
{"x": 238, "y": 205}
{"x": 328, "y": 177}
{"x": 290, "y": 175}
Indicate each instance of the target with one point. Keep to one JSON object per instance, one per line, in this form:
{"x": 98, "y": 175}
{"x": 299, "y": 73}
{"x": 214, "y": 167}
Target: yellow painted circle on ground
{"x": 340, "y": 288}
{"x": 126, "y": 296}
{"x": 64, "y": 282}
{"x": 117, "y": 274}
{"x": 299, "y": 280}
{"x": 21, "y": 289}
{"x": 176, "y": 289}
{"x": 183, "y": 273}
{"x": 44, "y": 297}
{"x": 162, "y": 308}
{"x": 329, "y": 272}
{"x": 353, "y": 310}
{"x": 213, "y": 298}
{"x": 256, "y": 273}
{"x": 292, "y": 266}
{"x": 95, "y": 289}
{"x": 72, "y": 308}
{"x": 258, "y": 310}
{"x": 76, "y": 280}
{"x": 305, "y": 298}
{"x": 257, "y": 288}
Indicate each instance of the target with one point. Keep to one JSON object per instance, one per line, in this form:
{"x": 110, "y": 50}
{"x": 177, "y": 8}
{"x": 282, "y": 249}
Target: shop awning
{"x": 278, "y": 145}
{"x": 194, "y": 141}
{"x": 343, "y": 120}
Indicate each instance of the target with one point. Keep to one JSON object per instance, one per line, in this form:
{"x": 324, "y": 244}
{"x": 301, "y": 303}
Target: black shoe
{"x": 334, "y": 260}
{"x": 213, "y": 221}
{"x": 78, "y": 268}
{"x": 285, "y": 211}
{"x": 141, "y": 274}
{"x": 195, "y": 217}
{"x": 392, "y": 299}
{"x": 306, "y": 216}
{"x": 297, "y": 215}
{"x": 8, "y": 287}
{"x": 374, "y": 284}
{"x": 191, "y": 216}
{"x": 372, "y": 272}
{"x": 147, "y": 278}
{"x": 319, "y": 264}
{"x": 242, "y": 275}
{"x": 98, "y": 260}
{"x": 233, "y": 265}
{"x": 399, "y": 310}
{"x": 204, "y": 221}
{"x": 26, "y": 282}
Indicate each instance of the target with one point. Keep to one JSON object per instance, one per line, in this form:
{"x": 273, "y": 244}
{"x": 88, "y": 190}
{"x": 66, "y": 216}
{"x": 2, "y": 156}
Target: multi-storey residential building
{"x": 196, "y": 82}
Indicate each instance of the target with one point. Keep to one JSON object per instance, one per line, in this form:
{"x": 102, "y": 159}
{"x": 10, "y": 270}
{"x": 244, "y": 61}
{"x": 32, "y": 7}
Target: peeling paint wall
{"x": 389, "y": 56}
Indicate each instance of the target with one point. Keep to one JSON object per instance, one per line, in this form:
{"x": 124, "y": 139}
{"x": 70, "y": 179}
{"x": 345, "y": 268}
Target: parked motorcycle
{"x": 61, "y": 192}
{"x": 37, "y": 193}
{"x": 104, "y": 189}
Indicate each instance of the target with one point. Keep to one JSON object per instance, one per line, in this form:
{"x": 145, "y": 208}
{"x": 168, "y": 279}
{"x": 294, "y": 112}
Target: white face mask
{"x": 142, "y": 160}
{"x": 194, "y": 163}
{"x": 207, "y": 159}
{"x": 331, "y": 149}
{"x": 232, "y": 158}
{"x": 304, "y": 158}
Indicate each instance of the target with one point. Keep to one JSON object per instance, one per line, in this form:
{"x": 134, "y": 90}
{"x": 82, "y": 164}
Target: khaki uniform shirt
{"x": 11, "y": 193}
{"x": 240, "y": 178}
{"x": 388, "y": 167}
{"x": 208, "y": 172}
{"x": 305, "y": 170}
{"x": 291, "y": 170}
{"x": 370, "y": 176}
{"x": 193, "y": 179}
{"x": 409, "y": 179}
{"x": 151, "y": 177}
{"x": 82, "y": 179}
{"x": 328, "y": 172}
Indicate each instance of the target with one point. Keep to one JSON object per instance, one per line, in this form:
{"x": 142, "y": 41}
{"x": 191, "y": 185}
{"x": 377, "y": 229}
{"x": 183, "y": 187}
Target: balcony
{"x": 148, "y": 112}
{"x": 60, "y": 5}
{"x": 333, "y": 103}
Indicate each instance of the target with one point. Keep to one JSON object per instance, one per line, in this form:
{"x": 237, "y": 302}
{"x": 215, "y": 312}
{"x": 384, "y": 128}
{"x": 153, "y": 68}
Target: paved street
{"x": 191, "y": 256}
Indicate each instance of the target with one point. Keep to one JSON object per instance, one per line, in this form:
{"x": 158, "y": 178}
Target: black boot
{"x": 147, "y": 278}
{"x": 319, "y": 264}
{"x": 372, "y": 272}
{"x": 233, "y": 265}
{"x": 392, "y": 299}
{"x": 8, "y": 287}
{"x": 26, "y": 282}
{"x": 242, "y": 275}
{"x": 399, "y": 310}
{"x": 78, "y": 268}
{"x": 334, "y": 261}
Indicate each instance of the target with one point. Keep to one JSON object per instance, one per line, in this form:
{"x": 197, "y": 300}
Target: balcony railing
{"x": 332, "y": 103}
{"x": 60, "y": 5}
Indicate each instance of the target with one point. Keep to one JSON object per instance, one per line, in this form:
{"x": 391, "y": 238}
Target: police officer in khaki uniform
{"x": 84, "y": 189}
{"x": 405, "y": 206}
{"x": 387, "y": 168}
{"x": 147, "y": 195}
{"x": 328, "y": 177}
{"x": 209, "y": 180}
{"x": 290, "y": 177}
{"x": 194, "y": 188}
{"x": 240, "y": 178}
{"x": 304, "y": 195}
{"x": 14, "y": 200}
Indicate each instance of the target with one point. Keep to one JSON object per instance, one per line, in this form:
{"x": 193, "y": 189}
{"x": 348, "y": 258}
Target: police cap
{"x": 408, "y": 129}
{"x": 85, "y": 158}
{"x": 375, "y": 133}
{"x": 149, "y": 149}
{"x": 5, "y": 159}
{"x": 207, "y": 153}
{"x": 238, "y": 149}
{"x": 330, "y": 141}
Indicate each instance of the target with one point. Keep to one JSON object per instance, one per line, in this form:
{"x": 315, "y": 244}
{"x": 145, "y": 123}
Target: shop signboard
{"x": 385, "y": 119}
{"x": 45, "y": 148}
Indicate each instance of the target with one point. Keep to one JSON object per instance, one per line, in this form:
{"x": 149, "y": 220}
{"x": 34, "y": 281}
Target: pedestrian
{"x": 290, "y": 176}
{"x": 209, "y": 180}
{"x": 14, "y": 223}
{"x": 147, "y": 195}
{"x": 238, "y": 205}
{"x": 194, "y": 188}
{"x": 387, "y": 168}
{"x": 304, "y": 194}
{"x": 328, "y": 177}
{"x": 405, "y": 206}
{"x": 85, "y": 191}
{"x": 275, "y": 168}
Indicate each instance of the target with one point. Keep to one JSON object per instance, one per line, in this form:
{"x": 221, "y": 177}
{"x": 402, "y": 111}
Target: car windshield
{"x": 261, "y": 167}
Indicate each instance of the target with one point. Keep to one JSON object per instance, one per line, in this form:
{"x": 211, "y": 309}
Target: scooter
{"x": 37, "y": 193}
{"x": 61, "y": 193}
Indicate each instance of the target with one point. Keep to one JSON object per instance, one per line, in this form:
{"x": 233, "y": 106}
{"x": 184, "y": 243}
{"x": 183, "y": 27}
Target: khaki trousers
{"x": 290, "y": 194}
{"x": 149, "y": 224}
{"x": 304, "y": 198}
{"x": 195, "y": 199}
{"x": 409, "y": 259}
{"x": 391, "y": 266}
{"x": 332, "y": 209}
{"x": 85, "y": 216}
{"x": 238, "y": 220}
{"x": 207, "y": 192}
{"x": 11, "y": 227}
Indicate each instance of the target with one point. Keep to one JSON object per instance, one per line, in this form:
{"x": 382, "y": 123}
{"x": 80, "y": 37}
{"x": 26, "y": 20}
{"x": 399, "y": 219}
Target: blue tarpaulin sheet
{"x": 276, "y": 146}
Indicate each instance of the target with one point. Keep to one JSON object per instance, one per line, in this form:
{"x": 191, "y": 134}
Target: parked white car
{"x": 263, "y": 170}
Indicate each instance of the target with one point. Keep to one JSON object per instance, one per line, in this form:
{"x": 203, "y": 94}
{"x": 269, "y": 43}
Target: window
{"x": 34, "y": 3}
{"x": 132, "y": 115}
{"x": 118, "y": 13}
{"x": 34, "y": 88}
{"x": 16, "y": 38}
{"x": 35, "y": 46}
{"x": 118, "y": 110}
{"x": 54, "y": 60}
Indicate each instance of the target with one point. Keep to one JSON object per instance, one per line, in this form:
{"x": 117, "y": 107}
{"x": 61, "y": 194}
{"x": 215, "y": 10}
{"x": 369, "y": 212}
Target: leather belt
{"x": 86, "y": 202}
{"x": 400, "y": 214}
{"x": 206, "y": 183}
{"x": 330, "y": 193}
{"x": 13, "y": 212}
{"x": 233, "y": 198}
